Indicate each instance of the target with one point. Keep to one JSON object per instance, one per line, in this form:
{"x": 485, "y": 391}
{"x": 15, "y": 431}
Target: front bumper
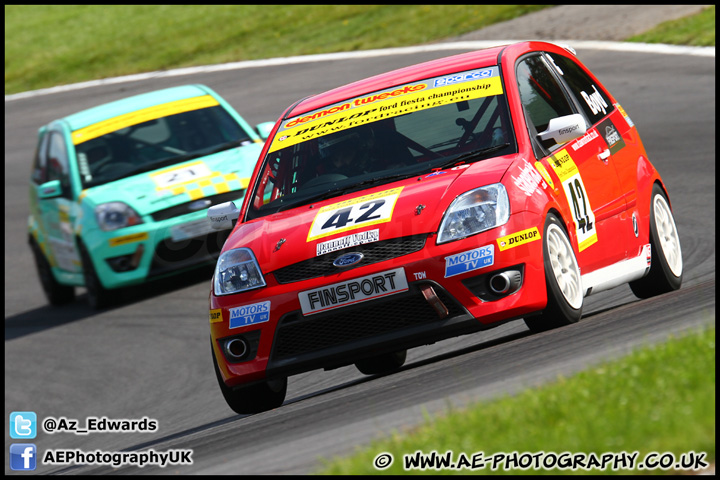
{"x": 442, "y": 300}
{"x": 154, "y": 249}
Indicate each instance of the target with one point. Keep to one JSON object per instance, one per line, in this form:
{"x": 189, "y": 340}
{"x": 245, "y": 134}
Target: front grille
{"x": 182, "y": 209}
{"x": 372, "y": 253}
{"x": 170, "y": 255}
{"x": 298, "y": 335}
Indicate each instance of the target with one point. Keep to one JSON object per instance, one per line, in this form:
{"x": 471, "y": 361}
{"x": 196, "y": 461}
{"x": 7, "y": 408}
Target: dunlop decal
{"x": 518, "y": 238}
{"x": 563, "y": 165}
{"x": 216, "y": 316}
{"x": 124, "y": 240}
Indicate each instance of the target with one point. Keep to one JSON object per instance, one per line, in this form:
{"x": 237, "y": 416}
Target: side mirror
{"x": 564, "y": 129}
{"x": 50, "y": 189}
{"x": 264, "y": 129}
{"x": 223, "y": 216}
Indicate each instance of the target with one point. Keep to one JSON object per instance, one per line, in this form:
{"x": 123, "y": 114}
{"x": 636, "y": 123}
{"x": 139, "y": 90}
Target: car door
{"x": 56, "y": 206}
{"x": 585, "y": 176}
{"x": 619, "y": 142}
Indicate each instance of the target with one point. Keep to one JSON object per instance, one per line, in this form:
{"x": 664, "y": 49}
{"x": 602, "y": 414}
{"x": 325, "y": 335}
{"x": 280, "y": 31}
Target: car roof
{"x": 455, "y": 63}
{"x": 130, "y": 104}
{"x": 442, "y": 66}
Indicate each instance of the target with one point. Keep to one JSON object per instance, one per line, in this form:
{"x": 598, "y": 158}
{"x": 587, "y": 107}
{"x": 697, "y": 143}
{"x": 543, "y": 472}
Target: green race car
{"x": 119, "y": 193}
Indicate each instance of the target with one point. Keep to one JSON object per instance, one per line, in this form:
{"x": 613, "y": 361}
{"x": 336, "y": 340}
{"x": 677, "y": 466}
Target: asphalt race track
{"x": 150, "y": 356}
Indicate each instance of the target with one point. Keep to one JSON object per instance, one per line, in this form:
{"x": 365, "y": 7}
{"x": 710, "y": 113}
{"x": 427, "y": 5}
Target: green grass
{"x": 49, "y": 45}
{"x": 659, "y": 398}
{"x": 696, "y": 30}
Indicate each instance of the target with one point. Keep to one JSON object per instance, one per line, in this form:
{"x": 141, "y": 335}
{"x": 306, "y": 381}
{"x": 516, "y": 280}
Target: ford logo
{"x": 348, "y": 259}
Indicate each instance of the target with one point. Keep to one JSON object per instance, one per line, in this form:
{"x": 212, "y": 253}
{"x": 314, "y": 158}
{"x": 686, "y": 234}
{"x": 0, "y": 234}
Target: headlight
{"x": 114, "y": 215}
{"x": 237, "y": 271}
{"x": 475, "y": 211}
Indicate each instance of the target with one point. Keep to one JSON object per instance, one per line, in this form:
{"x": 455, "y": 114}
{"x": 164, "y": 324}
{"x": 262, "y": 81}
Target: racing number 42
{"x": 577, "y": 193}
{"x": 581, "y": 211}
{"x": 356, "y": 213}
{"x": 341, "y": 218}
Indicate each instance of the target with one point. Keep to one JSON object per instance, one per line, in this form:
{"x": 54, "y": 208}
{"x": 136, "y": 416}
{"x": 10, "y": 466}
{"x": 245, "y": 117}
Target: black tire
{"x": 386, "y": 363}
{"x": 666, "y": 270}
{"x": 98, "y": 296}
{"x": 256, "y": 398}
{"x": 56, "y": 293}
{"x": 563, "y": 279}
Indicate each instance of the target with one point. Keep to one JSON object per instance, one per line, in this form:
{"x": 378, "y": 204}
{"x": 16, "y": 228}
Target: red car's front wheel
{"x": 563, "y": 280}
{"x": 254, "y": 398}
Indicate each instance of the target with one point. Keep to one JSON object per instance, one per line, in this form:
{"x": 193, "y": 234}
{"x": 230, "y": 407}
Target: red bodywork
{"x": 617, "y": 190}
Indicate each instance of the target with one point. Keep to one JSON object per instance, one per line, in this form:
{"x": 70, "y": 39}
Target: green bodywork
{"x": 171, "y": 201}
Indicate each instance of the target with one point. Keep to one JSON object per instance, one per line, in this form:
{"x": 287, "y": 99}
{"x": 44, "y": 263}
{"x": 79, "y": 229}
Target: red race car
{"x": 429, "y": 202}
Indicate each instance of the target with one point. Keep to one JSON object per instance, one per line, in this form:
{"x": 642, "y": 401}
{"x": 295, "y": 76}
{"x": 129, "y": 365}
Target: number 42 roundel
{"x": 355, "y": 213}
{"x": 577, "y": 198}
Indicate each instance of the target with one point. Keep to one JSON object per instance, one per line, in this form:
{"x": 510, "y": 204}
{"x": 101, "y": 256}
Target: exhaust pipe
{"x": 506, "y": 282}
{"x": 236, "y": 348}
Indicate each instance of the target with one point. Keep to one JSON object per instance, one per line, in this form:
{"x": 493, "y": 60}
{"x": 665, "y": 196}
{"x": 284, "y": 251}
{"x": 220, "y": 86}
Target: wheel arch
{"x": 570, "y": 232}
{"x": 82, "y": 251}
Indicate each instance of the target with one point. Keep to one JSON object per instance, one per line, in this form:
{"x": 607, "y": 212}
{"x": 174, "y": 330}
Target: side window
{"x": 542, "y": 97}
{"x": 39, "y": 171}
{"x": 57, "y": 162}
{"x": 593, "y": 100}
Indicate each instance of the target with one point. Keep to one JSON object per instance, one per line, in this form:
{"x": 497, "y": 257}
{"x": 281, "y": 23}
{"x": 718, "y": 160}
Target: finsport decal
{"x": 353, "y": 291}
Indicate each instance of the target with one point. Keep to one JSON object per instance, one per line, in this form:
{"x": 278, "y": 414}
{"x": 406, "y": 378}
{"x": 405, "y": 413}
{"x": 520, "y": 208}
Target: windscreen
{"x": 153, "y": 138}
{"x": 381, "y": 137}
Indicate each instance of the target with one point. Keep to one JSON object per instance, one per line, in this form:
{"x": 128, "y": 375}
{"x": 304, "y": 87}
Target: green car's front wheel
{"x": 98, "y": 296}
{"x": 56, "y": 293}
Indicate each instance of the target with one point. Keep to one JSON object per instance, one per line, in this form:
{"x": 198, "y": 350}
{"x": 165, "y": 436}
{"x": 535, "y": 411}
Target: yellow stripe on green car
{"x": 134, "y": 118}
